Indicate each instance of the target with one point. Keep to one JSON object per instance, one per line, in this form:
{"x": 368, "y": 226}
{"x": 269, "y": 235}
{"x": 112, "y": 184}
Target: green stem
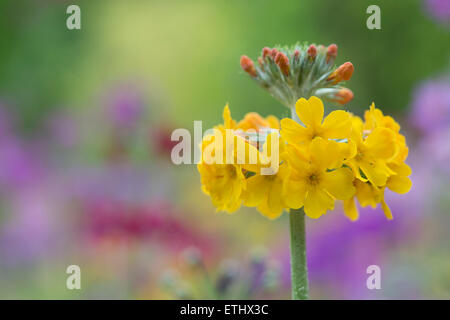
{"x": 299, "y": 268}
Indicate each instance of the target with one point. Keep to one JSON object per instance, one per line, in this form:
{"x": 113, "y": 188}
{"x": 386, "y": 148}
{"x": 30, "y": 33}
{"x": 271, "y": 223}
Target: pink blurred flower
{"x": 158, "y": 223}
{"x": 431, "y": 105}
{"x": 125, "y": 106}
{"x": 439, "y": 9}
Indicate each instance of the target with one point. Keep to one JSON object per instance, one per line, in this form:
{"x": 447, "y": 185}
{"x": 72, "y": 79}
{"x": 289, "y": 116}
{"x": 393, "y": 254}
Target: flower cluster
{"x": 309, "y": 160}
{"x": 320, "y": 160}
{"x": 289, "y": 73}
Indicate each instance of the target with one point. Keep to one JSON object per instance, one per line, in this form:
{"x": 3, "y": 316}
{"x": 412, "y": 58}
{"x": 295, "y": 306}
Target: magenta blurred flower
{"x": 159, "y": 223}
{"x": 20, "y": 165}
{"x": 431, "y": 105}
{"x": 439, "y": 9}
{"x": 161, "y": 141}
{"x": 437, "y": 147}
{"x": 125, "y": 106}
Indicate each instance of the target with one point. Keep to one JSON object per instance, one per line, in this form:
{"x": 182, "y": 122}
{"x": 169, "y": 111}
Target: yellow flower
{"x": 254, "y": 121}
{"x": 264, "y": 191}
{"x": 379, "y": 154}
{"x": 317, "y": 179}
{"x": 399, "y": 182}
{"x": 251, "y": 121}
{"x": 367, "y": 195}
{"x": 224, "y": 183}
{"x": 374, "y": 118}
{"x": 223, "y": 174}
{"x": 370, "y": 154}
{"x": 228, "y": 122}
{"x": 335, "y": 126}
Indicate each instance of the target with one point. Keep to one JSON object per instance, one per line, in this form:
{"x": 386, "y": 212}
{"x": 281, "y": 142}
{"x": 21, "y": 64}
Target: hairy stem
{"x": 299, "y": 268}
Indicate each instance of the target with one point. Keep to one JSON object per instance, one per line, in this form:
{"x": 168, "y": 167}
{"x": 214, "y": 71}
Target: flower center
{"x": 313, "y": 179}
{"x": 359, "y": 156}
{"x": 231, "y": 170}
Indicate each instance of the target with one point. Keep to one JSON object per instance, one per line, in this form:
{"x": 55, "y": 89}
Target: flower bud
{"x": 260, "y": 62}
{"x": 343, "y": 73}
{"x": 283, "y": 62}
{"x": 343, "y": 96}
{"x": 273, "y": 53}
{"x": 266, "y": 52}
{"x": 248, "y": 66}
{"x": 312, "y": 51}
{"x": 331, "y": 52}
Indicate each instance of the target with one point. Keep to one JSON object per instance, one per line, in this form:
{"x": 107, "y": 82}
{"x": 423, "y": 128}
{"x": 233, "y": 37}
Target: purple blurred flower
{"x": 20, "y": 165}
{"x": 127, "y": 183}
{"x": 431, "y": 105}
{"x": 439, "y": 9}
{"x": 437, "y": 148}
{"x": 29, "y": 233}
{"x": 62, "y": 130}
{"x": 125, "y": 107}
{"x": 339, "y": 252}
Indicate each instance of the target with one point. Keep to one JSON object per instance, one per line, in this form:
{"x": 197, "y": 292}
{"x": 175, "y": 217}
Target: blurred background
{"x": 85, "y": 170}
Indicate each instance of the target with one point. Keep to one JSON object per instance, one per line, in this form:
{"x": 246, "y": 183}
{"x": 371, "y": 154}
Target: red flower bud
{"x": 343, "y": 73}
{"x": 312, "y": 51}
{"x": 274, "y": 53}
{"x": 266, "y": 52}
{"x": 343, "y": 96}
{"x": 331, "y": 52}
{"x": 248, "y": 66}
{"x": 283, "y": 62}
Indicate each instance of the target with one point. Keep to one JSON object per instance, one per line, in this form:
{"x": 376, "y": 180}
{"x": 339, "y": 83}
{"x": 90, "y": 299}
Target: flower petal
{"x": 339, "y": 183}
{"x": 400, "y": 168}
{"x": 273, "y": 121}
{"x": 354, "y": 165}
{"x": 350, "y": 209}
{"x": 294, "y": 191}
{"x": 376, "y": 172}
{"x": 256, "y": 191}
{"x": 297, "y": 158}
{"x": 317, "y": 203}
{"x": 337, "y": 125}
{"x": 310, "y": 112}
{"x": 366, "y": 194}
{"x": 228, "y": 121}
{"x": 324, "y": 154}
{"x": 386, "y": 210}
{"x": 399, "y": 184}
{"x": 293, "y": 132}
{"x": 275, "y": 199}
{"x": 381, "y": 143}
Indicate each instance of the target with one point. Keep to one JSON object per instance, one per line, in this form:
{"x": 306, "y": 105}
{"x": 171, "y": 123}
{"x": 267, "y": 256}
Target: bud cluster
{"x": 301, "y": 71}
